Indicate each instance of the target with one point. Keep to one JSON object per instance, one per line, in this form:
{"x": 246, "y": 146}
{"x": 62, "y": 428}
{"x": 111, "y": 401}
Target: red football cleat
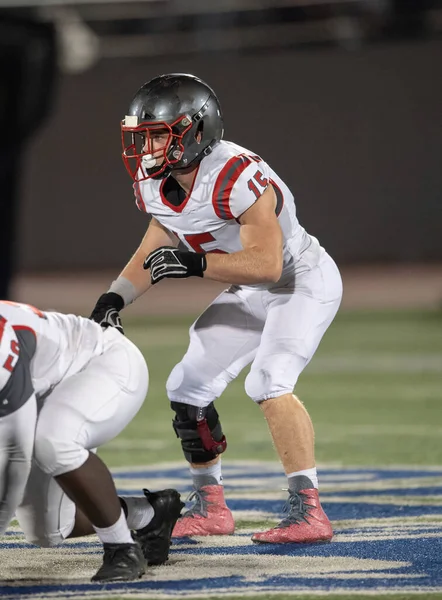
{"x": 208, "y": 516}
{"x": 306, "y": 522}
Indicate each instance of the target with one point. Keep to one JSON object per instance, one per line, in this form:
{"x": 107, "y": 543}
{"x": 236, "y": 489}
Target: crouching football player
{"x": 67, "y": 387}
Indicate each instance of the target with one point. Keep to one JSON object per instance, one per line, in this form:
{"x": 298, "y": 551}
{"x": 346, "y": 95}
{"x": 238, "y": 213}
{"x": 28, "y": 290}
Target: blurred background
{"x": 342, "y": 98}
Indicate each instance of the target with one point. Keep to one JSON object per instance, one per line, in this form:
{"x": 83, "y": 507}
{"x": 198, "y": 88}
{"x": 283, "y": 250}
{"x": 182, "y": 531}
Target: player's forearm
{"x": 134, "y": 280}
{"x": 246, "y": 267}
{"x": 134, "y": 273}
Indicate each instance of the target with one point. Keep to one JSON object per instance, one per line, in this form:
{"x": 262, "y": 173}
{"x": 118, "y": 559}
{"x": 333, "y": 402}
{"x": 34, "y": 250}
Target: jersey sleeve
{"x": 16, "y": 352}
{"x": 240, "y": 183}
{"x": 8, "y": 339}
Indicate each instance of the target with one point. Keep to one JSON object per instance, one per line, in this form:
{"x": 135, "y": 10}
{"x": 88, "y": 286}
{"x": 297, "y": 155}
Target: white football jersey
{"x": 228, "y": 182}
{"x": 9, "y": 351}
{"x": 64, "y": 343}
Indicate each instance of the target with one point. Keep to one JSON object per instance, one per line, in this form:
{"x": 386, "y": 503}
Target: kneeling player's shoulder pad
{"x": 16, "y": 351}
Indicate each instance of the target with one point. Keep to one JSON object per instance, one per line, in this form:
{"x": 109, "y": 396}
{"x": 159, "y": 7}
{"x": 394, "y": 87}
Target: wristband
{"x": 125, "y": 289}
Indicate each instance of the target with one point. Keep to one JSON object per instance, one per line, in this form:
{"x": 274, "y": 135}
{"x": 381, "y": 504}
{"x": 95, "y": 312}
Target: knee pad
{"x": 55, "y": 457}
{"x": 261, "y": 384}
{"x": 276, "y": 373}
{"x": 199, "y": 430}
{"x": 200, "y": 383}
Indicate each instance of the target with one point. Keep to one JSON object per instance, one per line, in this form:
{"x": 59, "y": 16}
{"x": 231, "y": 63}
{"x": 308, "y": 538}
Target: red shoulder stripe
{"x": 2, "y": 326}
{"x": 224, "y": 183}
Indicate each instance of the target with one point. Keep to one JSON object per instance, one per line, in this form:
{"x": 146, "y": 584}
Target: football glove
{"x": 106, "y": 312}
{"x": 168, "y": 261}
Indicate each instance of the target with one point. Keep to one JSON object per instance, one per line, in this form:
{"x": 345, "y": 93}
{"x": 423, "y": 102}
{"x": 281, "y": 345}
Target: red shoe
{"x": 208, "y": 516}
{"x": 306, "y": 522}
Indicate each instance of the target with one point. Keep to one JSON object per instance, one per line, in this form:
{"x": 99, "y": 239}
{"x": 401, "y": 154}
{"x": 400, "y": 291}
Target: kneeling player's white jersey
{"x": 64, "y": 343}
{"x": 227, "y": 183}
{"x": 9, "y": 349}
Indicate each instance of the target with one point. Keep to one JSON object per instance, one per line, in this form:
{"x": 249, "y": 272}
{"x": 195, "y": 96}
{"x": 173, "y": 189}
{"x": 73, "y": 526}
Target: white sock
{"x": 211, "y": 475}
{"x": 118, "y": 533}
{"x": 139, "y": 511}
{"x": 310, "y": 473}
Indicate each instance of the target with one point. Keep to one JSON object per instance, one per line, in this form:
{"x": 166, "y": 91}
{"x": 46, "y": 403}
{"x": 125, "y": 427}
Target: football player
{"x": 67, "y": 387}
{"x": 219, "y": 211}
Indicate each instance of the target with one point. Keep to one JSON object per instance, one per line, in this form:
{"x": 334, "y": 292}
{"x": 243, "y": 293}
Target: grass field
{"x": 374, "y": 393}
{"x": 373, "y": 390}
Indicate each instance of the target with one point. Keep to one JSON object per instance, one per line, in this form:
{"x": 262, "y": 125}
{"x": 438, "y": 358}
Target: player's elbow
{"x": 274, "y": 275}
{"x": 273, "y": 269}
{"x": 275, "y": 257}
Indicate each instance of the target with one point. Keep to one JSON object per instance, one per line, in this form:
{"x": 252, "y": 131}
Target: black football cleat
{"x": 155, "y": 538}
{"x": 121, "y": 562}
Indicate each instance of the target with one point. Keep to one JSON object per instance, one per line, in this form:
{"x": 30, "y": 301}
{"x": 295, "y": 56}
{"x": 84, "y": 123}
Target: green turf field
{"x": 373, "y": 390}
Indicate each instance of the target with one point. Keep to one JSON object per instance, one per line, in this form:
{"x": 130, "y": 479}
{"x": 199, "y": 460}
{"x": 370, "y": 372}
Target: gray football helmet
{"x": 185, "y": 108}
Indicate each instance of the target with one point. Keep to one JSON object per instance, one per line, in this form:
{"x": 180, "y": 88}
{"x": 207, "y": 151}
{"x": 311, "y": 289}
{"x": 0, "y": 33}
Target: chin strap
{"x": 163, "y": 174}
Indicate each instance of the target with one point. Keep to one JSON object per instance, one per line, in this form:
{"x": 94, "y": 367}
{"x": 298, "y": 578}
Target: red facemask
{"x": 140, "y": 158}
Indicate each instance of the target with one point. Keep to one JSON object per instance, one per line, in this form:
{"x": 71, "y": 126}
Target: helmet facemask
{"x": 141, "y": 159}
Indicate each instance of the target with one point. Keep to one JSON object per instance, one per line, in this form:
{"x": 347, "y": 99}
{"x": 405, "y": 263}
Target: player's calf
{"x": 199, "y": 430}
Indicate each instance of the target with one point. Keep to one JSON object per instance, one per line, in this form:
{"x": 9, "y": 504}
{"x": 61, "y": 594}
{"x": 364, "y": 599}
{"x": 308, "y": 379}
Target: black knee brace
{"x": 199, "y": 430}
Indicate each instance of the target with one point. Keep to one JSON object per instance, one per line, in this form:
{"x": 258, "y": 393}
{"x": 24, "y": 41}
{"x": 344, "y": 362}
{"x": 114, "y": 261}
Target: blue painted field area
{"x": 388, "y": 538}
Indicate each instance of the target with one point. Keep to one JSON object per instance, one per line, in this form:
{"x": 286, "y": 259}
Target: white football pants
{"x": 277, "y": 330}
{"x": 16, "y": 445}
{"x": 82, "y": 413}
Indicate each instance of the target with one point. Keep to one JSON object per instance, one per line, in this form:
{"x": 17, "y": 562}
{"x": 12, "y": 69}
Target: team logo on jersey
{"x": 388, "y": 538}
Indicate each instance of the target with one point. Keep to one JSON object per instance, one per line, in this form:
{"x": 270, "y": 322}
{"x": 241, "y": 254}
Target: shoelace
{"x": 297, "y": 509}
{"x": 200, "y": 504}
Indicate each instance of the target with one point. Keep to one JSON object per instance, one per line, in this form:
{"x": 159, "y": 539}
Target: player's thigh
{"x": 90, "y": 408}
{"x": 223, "y": 340}
{"x": 16, "y": 445}
{"x": 295, "y": 325}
